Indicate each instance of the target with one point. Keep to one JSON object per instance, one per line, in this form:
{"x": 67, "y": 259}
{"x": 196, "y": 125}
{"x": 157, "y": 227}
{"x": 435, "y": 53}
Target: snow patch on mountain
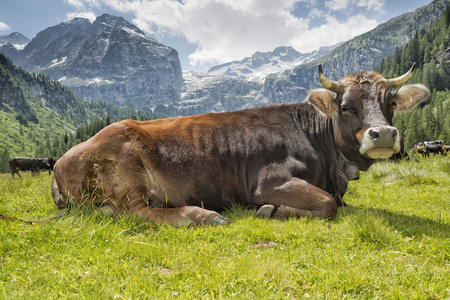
{"x": 261, "y": 64}
{"x": 57, "y": 62}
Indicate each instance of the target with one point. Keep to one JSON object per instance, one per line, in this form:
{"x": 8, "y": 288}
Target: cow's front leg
{"x": 182, "y": 216}
{"x": 295, "y": 198}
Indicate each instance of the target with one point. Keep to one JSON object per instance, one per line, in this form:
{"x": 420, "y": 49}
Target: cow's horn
{"x": 327, "y": 83}
{"x": 396, "y": 82}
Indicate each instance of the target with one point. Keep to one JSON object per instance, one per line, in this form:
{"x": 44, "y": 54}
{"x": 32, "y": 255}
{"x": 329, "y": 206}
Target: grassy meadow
{"x": 392, "y": 241}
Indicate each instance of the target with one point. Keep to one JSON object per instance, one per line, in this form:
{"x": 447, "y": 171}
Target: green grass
{"x": 392, "y": 241}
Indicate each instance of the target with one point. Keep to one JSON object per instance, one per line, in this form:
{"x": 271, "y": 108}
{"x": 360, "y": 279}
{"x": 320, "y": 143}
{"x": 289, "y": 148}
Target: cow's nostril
{"x": 394, "y": 135}
{"x": 374, "y": 134}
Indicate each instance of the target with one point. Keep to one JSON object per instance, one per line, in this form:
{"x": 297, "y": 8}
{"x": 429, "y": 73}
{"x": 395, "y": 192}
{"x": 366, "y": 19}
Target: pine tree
{"x": 414, "y": 130}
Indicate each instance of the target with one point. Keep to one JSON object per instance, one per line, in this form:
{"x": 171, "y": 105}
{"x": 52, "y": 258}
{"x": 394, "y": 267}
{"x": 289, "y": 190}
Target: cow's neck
{"x": 346, "y": 165}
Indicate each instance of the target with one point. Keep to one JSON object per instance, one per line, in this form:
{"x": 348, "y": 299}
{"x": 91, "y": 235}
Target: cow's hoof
{"x": 265, "y": 211}
{"x": 215, "y": 219}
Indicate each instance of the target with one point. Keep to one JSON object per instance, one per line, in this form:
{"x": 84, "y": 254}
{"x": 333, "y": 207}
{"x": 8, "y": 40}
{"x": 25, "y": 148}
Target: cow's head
{"x": 361, "y": 107}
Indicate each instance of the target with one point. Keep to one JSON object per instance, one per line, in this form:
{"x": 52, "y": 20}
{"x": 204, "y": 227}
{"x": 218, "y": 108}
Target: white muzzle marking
{"x": 380, "y": 142}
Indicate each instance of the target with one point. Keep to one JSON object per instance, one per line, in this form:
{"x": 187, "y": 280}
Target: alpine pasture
{"x": 392, "y": 241}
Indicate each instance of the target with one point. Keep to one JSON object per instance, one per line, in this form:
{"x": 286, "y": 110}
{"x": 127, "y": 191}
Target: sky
{"x": 210, "y": 32}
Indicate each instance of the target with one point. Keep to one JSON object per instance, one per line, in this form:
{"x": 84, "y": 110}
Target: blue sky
{"x": 210, "y": 32}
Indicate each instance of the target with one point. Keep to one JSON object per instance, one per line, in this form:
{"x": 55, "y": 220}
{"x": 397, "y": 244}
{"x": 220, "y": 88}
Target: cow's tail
{"x": 56, "y": 195}
{"x": 60, "y": 215}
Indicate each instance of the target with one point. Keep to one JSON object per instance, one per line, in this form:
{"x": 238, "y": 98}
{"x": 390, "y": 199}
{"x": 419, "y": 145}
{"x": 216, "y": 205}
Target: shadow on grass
{"x": 407, "y": 225}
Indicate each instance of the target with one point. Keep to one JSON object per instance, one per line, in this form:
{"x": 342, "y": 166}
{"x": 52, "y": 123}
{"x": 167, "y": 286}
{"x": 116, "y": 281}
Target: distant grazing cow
{"x": 426, "y": 148}
{"x": 34, "y": 164}
{"x": 290, "y": 160}
{"x": 434, "y": 147}
{"x": 420, "y": 149}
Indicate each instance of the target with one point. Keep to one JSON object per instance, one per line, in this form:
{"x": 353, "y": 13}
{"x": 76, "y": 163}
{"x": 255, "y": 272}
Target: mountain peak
{"x": 16, "y": 39}
{"x": 77, "y": 21}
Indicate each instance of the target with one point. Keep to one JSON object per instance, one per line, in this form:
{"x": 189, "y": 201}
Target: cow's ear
{"x": 323, "y": 100}
{"x": 408, "y": 96}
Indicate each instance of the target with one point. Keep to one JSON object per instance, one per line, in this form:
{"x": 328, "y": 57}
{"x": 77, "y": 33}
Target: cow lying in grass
{"x": 286, "y": 160}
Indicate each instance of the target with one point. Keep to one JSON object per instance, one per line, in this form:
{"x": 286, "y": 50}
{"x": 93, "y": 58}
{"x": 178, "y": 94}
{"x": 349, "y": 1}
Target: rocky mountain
{"x": 261, "y": 64}
{"x": 108, "y": 59}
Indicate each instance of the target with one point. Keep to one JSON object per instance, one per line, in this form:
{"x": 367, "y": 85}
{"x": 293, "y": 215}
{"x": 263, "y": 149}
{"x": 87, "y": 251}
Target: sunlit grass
{"x": 390, "y": 242}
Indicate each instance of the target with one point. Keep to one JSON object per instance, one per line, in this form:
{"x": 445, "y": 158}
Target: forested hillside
{"x": 36, "y": 111}
{"x": 431, "y": 50}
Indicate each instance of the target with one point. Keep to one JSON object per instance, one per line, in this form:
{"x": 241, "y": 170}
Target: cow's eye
{"x": 348, "y": 109}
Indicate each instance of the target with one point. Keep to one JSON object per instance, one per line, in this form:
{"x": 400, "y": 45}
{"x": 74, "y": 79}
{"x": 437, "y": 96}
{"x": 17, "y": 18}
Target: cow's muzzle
{"x": 380, "y": 142}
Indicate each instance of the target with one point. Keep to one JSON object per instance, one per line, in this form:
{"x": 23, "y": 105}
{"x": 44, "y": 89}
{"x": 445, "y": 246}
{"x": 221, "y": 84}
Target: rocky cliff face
{"x": 109, "y": 59}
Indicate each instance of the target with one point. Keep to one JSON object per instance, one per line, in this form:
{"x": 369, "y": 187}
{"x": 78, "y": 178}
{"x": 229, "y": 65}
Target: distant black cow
{"x": 434, "y": 147}
{"x": 427, "y": 147}
{"x": 420, "y": 149}
{"x": 33, "y": 164}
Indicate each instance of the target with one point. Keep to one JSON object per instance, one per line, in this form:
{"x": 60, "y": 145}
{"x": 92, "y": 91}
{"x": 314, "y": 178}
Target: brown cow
{"x": 287, "y": 160}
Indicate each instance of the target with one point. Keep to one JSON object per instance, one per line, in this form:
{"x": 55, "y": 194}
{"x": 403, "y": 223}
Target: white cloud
{"x": 333, "y": 32}
{"x": 78, "y": 4}
{"x": 337, "y": 4}
{"x": 376, "y": 5}
{"x": 314, "y": 13}
{"x": 3, "y": 26}
{"x": 226, "y": 30}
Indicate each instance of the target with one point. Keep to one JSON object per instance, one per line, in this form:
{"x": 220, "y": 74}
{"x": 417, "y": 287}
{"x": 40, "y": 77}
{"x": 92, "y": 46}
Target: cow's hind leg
{"x": 182, "y": 216}
{"x": 295, "y": 198}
